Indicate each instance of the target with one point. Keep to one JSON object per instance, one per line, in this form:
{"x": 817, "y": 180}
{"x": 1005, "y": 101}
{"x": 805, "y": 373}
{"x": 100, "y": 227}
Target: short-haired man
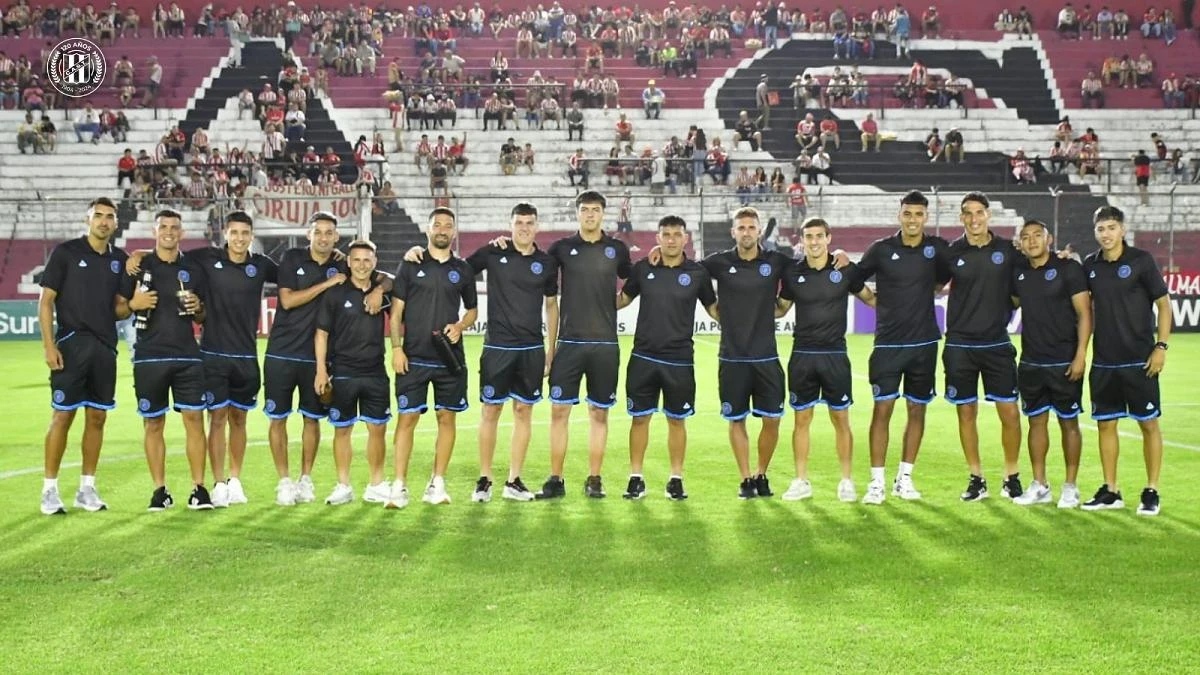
{"x": 84, "y": 291}
{"x": 169, "y": 298}
{"x": 747, "y": 277}
{"x": 1129, "y": 354}
{"x": 427, "y": 350}
{"x": 819, "y": 368}
{"x": 350, "y": 338}
{"x": 1056, "y": 318}
{"x": 661, "y": 364}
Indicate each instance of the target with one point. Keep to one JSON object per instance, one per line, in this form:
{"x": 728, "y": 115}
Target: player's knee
{"x": 771, "y": 423}
{"x": 342, "y": 433}
{"x": 95, "y": 418}
{"x": 1106, "y": 426}
{"x": 521, "y": 411}
{"x": 155, "y": 424}
{"x": 804, "y": 417}
{"x": 62, "y": 418}
{"x": 916, "y": 411}
{"x": 560, "y": 412}
{"x": 491, "y": 412}
{"x": 192, "y": 417}
{"x": 276, "y": 426}
{"x": 1067, "y": 425}
{"x": 597, "y": 414}
{"x": 237, "y": 418}
{"x": 407, "y": 421}
{"x": 673, "y": 422}
{"x": 445, "y": 417}
{"x": 644, "y": 421}
{"x": 967, "y": 412}
{"x": 218, "y": 417}
{"x": 1149, "y": 426}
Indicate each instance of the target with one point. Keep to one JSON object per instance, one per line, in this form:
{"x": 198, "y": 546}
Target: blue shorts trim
{"x": 1000, "y": 399}
{"x": 451, "y": 408}
{"x": 514, "y": 349}
{"x": 526, "y": 401}
{"x": 494, "y": 401}
{"x": 1040, "y": 411}
{"x": 597, "y": 404}
{"x": 987, "y": 346}
{"x": 150, "y": 414}
{"x": 1111, "y": 416}
{"x": 425, "y": 364}
{"x": 278, "y": 415}
{"x": 765, "y": 413}
{"x": 1066, "y": 416}
{"x": 805, "y": 406}
{"x": 911, "y": 344}
{"x": 343, "y": 423}
{"x": 184, "y": 406}
{"x": 290, "y": 358}
{"x": 374, "y": 420}
{"x": 83, "y": 404}
{"x": 665, "y": 363}
{"x": 963, "y": 401}
{"x": 233, "y": 404}
{"x": 1146, "y": 418}
{"x": 679, "y": 416}
{"x": 736, "y": 418}
{"x": 312, "y": 415}
{"x": 839, "y": 407}
{"x": 1044, "y": 365}
{"x": 819, "y": 351}
{"x": 768, "y": 359}
{"x": 585, "y": 342}
{"x": 642, "y": 413}
{"x": 887, "y": 397}
{"x": 564, "y": 401}
{"x": 179, "y": 360}
{"x": 1119, "y": 365}
{"x": 920, "y": 401}
{"x": 229, "y": 356}
{"x": 419, "y": 410}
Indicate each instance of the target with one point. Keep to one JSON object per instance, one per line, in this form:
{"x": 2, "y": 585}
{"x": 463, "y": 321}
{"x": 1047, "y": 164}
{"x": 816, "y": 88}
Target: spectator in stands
{"x": 510, "y": 157}
{"x": 1141, "y": 174}
{"x": 1022, "y": 169}
{"x": 499, "y": 66}
{"x": 952, "y": 92}
{"x": 87, "y": 121}
{"x": 574, "y": 122}
{"x": 1089, "y": 161}
{"x": 1151, "y": 23}
{"x": 744, "y": 185}
{"x": 1068, "y": 22}
{"x": 1177, "y": 166}
{"x": 859, "y": 88}
{"x": 869, "y": 129}
{"x": 577, "y": 168}
{"x": 493, "y": 111}
{"x": 829, "y": 132}
{"x": 1169, "y": 30}
{"x": 1120, "y": 25}
{"x": 549, "y": 110}
{"x": 1172, "y": 94}
{"x": 933, "y": 144}
{"x": 612, "y": 92}
{"x": 822, "y": 163}
{"x": 28, "y": 136}
{"x": 652, "y": 100}
{"x": 1144, "y": 67}
{"x": 624, "y": 131}
{"x": 1064, "y": 132}
{"x": 568, "y": 42}
{"x": 717, "y": 163}
{"x": 1087, "y": 22}
{"x": 1126, "y": 77}
{"x": 763, "y": 101}
{"x": 1092, "y": 90}
{"x": 49, "y": 134}
{"x": 901, "y": 29}
{"x": 423, "y": 153}
{"x": 126, "y": 167}
{"x": 458, "y": 161}
{"x": 1160, "y": 146}
{"x": 747, "y": 131}
{"x": 1058, "y": 158}
{"x": 1103, "y": 26}
{"x": 806, "y": 132}
{"x": 153, "y": 82}
{"x": 438, "y": 180}
{"x": 1089, "y": 137}
{"x": 954, "y": 143}
{"x": 33, "y": 97}
{"x": 931, "y": 23}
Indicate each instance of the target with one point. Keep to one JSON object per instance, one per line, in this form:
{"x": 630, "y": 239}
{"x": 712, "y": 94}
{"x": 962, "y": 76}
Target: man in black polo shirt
{"x": 747, "y": 279}
{"x": 1056, "y": 318}
{"x": 590, "y": 263}
{"x": 425, "y": 301}
{"x": 662, "y": 358}
{"x": 977, "y": 344}
{"x": 170, "y": 296}
{"x": 819, "y": 368}
{"x": 81, "y": 285}
{"x": 352, "y": 339}
{"x": 908, "y": 268}
{"x": 1126, "y": 288}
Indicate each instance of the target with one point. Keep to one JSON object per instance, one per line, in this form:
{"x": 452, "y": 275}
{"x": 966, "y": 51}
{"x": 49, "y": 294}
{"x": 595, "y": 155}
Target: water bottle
{"x": 142, "y": 318}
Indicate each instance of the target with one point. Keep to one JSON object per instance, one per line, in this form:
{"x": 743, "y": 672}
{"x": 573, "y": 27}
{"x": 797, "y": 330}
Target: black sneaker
{"x": 483, "y": 490}
{"x": 593, "y": 487}
{"x": 200, "y": 501}
{"x": 1149, "y": 505}
{"x": 1107, "y": 499}
{"x": 976, "y": 489}
{"x": 747, "y": 491}
{"x": 553, "y": 488}
{"x": 762, "y": 486}
{"x": 675, "y": 491}
{"x": 1012, "y": 487}
{"x": 636, "y": 488}
{"x": 161, "y": 500}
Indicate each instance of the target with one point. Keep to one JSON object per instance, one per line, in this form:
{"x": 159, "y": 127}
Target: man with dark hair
{"x": 819, "y": 368}
{"x": 1056, "y": 317}
{"x": 747, "y": 277}
{"x": 1130, "y": 352}
{"x": 662, "y": 359}
{"x": 351, "y": 339}
{"x": 83, "y": 294}
{"x": 169, "y": 298}
{"x": 977, "y": 344}
{"x": 427, "y": 349}
{"x": 909, "y": 268}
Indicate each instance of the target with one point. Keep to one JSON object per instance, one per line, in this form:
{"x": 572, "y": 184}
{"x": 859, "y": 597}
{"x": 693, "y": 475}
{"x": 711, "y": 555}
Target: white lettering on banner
{"x": 291, "y": 205}
{"x": 1186, "y": 312}
{"x": 18, "y": 325}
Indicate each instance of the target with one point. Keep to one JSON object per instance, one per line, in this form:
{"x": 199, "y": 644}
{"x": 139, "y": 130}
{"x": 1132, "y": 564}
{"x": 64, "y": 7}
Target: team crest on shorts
{"x": 629, "y": 403}
{"x": 685, "y": 279}
{"x": 998, "y": 258}
{"x": 726, "y": 407}
{"x": 875, "y": 389}
{"x": 143, "y": 404}
{"x": 76, "y": 68}
{"x": 793, "y": 397}
{"x": 610, "y": 252}
{"x": 536, "y": 267}
{"x": 1124, "y": 271}
{"x": 115, "y": 267}
{"x": 270, "y": 406}
{"x": 402, "y": 402}
{"x": 952, "y": 392}
{"x": 183, "y": 276}
{"x": 335, "y": 414}
{"x": 928, "y": 252}
{"x": 555, "y": 392}
{"x": 251, "y": 271}
{"x": 835, "y": 277}
{"x": 489, "y": 391}
{"x": 454, "y": 276}
{"x": 209, "y": 398}
{"x": 1051, "y": 274}
{"x": 59, "y": 396}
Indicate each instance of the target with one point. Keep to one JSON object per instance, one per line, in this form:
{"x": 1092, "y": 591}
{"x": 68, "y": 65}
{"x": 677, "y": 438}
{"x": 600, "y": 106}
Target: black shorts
{"x": 1123, "y": 391}
{"x": 995, "y": 364}
{"x": 820, "y": 377}
{"x": 1045, "y": 387}
{"x": 282, "y": 376}
{"x": 1143, "y": 180}
{"x": 916, "y": 365}
{"x": 360, "y": 399}
{"x": 231, "y": 381}
{"x": 599, "y": 362}
{"x": 739, "y": 381}
{"x": 88, "y": 377}
{"x": 412, "y": 388}
{"x": 511, "y": 372}
{"x": 646, "y": 378}
{"x": 154, "y": 378}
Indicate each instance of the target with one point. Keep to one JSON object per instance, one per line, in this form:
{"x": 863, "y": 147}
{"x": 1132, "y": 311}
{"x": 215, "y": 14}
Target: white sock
{"x": 49, "y": 484}
{"x": 438, "y": 482}
{"x": 675, "y": 475}
{"x": 906, "y": 468}
{"x": 305, "y": 476}
{"x": 87, "y": 482}
{"x": 635, "y": 475}
{"x": 877, "y": 474}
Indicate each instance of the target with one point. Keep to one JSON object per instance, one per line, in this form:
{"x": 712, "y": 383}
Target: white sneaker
{"x": 846, "y": 491}
{"x": 305, "y": 490}
{"x": 875, "y": 493}
{"x": 285, "y": 492}
{"x": 903, "y": 488}
{"x": 799, "y": 489}
{"x": 377, "y": 494}
{"x": 436, "y": 493}
{"x": 237, "y": 495}
{"x": 342, "y": 494}
{"x": 398, "y": 498}
{"x": 1036, "y": 494}
{"x": 1069, "y": 497}
{"x": 220, "y": 495}
{"x": 52, "y": 503}
{"x": 88, "y": 499}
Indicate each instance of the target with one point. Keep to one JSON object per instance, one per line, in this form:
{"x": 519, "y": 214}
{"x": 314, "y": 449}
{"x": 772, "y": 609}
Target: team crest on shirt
{"x": 1124, "y": 271}
{"x": 184, "y": 277}
{"x": 764, "y": 270}
{"x": 610, "y": 252}
{"x": 998, "y": 258}
{"x": 251, "y": 271}
{"x": 59, "y": 396}
{"x": 536, "y": 267}
{"x": 489, "y": 391}
{"x": 144, "y": 404}
{"x": 335, "y": 414}
{"x": 555, "y": 392}
{"x": 115, "y": 267}
{"x": 1050, "y": 274}
{"x": 835, "y": 277}
{"x": 927, "y": 252}
{"x": 685, "y": 279}
{"x": 270, "y": 407}
{"x": 331, "y": 273}
{"x": 454, "y": 276}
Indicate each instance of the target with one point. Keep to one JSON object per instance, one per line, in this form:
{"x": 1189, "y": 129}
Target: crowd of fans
{"x": 1125, "y": 72}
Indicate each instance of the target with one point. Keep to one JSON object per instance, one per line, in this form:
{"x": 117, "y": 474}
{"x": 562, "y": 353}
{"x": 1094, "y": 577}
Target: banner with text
{"x": 291, "y": 205}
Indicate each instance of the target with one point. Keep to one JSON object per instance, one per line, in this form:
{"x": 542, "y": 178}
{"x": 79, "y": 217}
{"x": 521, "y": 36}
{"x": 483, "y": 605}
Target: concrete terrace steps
{"x": 1072, "y": 59}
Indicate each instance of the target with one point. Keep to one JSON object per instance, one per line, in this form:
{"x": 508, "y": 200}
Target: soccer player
{"x": 1056, "y": 318}
{"x": 81, "y": 284}
{"x": 907, "y": 272}
{"x": 1126, "y": 288}
{"x": 427, "y": 349}
{"x": 977, "y": 344}
{"x": 662, "y": 358}
{"x": 169, "y": 298}
{"x": 819, "y": 368}
{"x": 748, "y": 279}
{"x": 351, "y": 338}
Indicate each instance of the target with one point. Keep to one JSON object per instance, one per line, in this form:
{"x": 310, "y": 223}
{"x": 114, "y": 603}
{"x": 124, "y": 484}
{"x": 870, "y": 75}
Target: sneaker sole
{"x": 394, "y": 506}
{"x": 375, "y": 500}
{"x": 1103, "y": 507}
{"x": 85, "y": 507}
{"x": 1062, "y": 505}
{"x": 516, "y": 497}
{"x": 633, "y": 497}
{"x": 200, "y": 507}
{"x": 435, "y": 503}
{"x": 977, "y": 498}
{"x": 61, "y": 511}
{"x": 1147, "y": 514}
{"x": 793, "y": 498}
{"x": 1047, "y": 500}
{"x": 476, "y": 499}
{"x": 543, "y": 498}
{"x": 674, "y": 498}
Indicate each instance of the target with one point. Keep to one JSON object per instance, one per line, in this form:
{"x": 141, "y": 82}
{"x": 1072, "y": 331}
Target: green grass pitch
{"x": 708, "y": 585}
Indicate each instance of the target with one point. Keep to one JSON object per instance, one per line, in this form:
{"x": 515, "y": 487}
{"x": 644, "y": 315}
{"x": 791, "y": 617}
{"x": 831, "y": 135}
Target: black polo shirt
{"x": 588, "y": 307}
{"x": 517, "y": 286}
{"x": 905, "y": 279}
{"x": 87, "y": 284}
{"x": 235, "y": 301}
{"x": 1123, "y": 295}
{"x": 431, "y": 292}
{"x": 167, "y": 334}
{"x": 1048, "y": 319}
{"x": 356, "y": 338}
{"x": 746, "y": 292}
{"x": 292, "y": 332}
{"x": 666, "y": 316}
{"x": 980, "y": 303}
{"x": 820, "y": 296}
